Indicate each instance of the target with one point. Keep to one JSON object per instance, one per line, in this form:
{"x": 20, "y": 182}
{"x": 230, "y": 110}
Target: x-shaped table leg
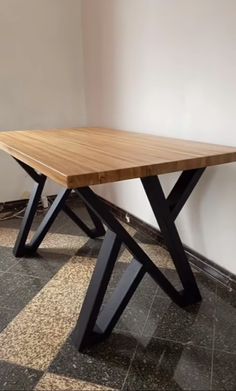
{"x": 21, "y": 248}
{"x": 94, "y": 326}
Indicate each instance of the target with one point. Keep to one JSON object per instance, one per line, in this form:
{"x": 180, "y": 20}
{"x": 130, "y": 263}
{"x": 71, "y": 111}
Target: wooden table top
{"x": 89, "y": 156}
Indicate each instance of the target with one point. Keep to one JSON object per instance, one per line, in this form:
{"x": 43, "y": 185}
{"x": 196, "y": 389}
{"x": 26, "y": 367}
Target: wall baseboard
{"x": 197, "y": 260}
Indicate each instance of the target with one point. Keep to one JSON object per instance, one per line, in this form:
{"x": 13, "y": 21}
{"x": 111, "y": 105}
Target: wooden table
{"x": 78, "y": 158}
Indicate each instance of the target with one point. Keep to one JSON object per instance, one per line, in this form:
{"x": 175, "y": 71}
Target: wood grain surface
{"x": 89, "y": 156}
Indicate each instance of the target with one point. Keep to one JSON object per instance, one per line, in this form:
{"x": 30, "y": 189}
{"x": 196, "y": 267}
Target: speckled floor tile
{"x": 225, "y": 322}
{"x": 7, "y": 259}
{"x": 6, "y": 315}
{"x": 147, "y": 287}
{"x": 207, "y": 285}
{"x": 17, "y": 378}
{"x": 8, "y": 236}
{"x": 60, "y": 243}
{"x": 63, "y": 244}
{"x": 52, "y": 382}
{"x": 16, "y": 290}
{"x": 45, "y": 264}
{"x": 135, "y": 314}
{"x": 32, "y": 340}
{"x": 163, "y": 365}
{"x": 63, "y": 295}
{"x": 56, "y": 280}
{"x": 134, "y": 317}
{"x": 192, "y": 325}
{"x": 34, "y": 337}
{"x": 104, "y": 364}
{"x": 224, "y": 371}
{"x": 158, "y": 255}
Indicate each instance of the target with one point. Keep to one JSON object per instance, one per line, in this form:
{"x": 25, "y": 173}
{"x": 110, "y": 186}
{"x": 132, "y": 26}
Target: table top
{"x": 89, "y": 156}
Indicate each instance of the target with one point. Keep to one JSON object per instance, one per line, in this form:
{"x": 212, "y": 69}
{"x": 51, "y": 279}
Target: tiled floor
{"x": 155, "y": 346}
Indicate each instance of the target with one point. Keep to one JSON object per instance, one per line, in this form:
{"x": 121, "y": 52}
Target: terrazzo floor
{"x": 155, "y": 346}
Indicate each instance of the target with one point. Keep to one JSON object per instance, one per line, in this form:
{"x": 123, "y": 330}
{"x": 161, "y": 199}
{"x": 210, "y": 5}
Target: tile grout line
{"x": 136, "y": 347}
{"x": 149, "y": 311}
{"x": 192, "y": 345}
{"x": 213, "y": 340}
{"x": 225, "y": 351}
{"x": 212, "y": 356}
{"x": 130, "y": 364}
{"x": 179, "y": 343}
{"x": 6, "y": 271}
{"x": 34, "y": 275}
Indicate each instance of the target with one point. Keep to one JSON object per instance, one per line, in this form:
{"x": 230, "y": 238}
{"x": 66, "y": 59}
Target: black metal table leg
{"x": 86, "y": 333}
{"x": 121, "y": 296}
{"x": 183, "y": 189}
{"x": 93, "y": 326}
{"x": 47, "y": 221}
{"x": 92, "y": 233}
{"x": 164, "y": 218}
{"x": 138, "y": 253}
{"x": 56, "y": 207}
{"x": 21, "y": 248}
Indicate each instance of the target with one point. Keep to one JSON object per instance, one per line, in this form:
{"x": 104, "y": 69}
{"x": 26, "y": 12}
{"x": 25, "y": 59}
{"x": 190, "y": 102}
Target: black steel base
{"x": 93, "y": 326}
{"x": 21, "y": 248}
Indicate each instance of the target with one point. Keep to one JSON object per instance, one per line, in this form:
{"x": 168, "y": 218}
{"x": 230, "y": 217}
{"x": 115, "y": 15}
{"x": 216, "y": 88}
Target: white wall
{"x": 168, "y": 67}
{"x": 41, "y": 75}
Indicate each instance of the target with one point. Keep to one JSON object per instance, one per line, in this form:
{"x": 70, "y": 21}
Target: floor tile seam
{"x": 149, "y": 311}
{"x": 178, "y": 342}
{"x": 25, "y": 367}
{"x": 130, "y": 365}
{"x": 40, "y": 379}
{"x": 39, "y": 310}
{"x": 26, "y": 275}
{"x": 5, "y": 307}
{"x": 42, "y": 313}
{"x": 164, "y": 296}
{"x": 127, "y": 332}
{"x": 137, "y": 344}
{"x": 213, "y": 339}
{"x": 212, "y": 356}
{"x": 70, "y": 377}
{"x": 6, "y": 271}
{"x": 19, "y": 365}
{"x": 28, "y": 302}
{"x": 224, "y": 351}
{"x": 167, "y": 339}
{"x": 43, "y": 370}
{"x": 34, "y": 275}
{"x": 66, "y": 318}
